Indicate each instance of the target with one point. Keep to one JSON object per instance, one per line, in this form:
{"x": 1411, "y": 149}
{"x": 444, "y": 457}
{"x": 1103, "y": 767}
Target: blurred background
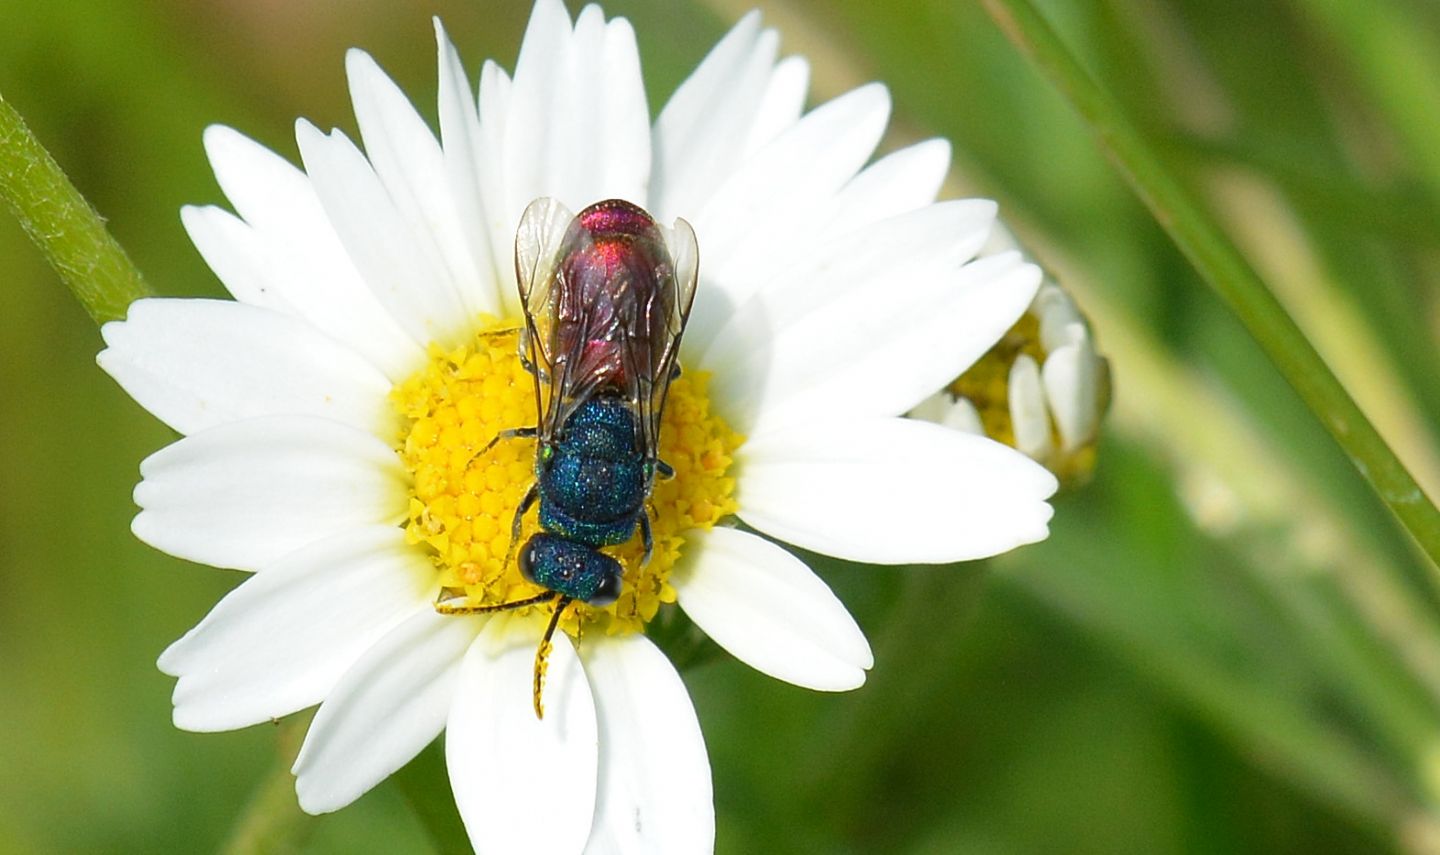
{"x": 1224, "y": 646}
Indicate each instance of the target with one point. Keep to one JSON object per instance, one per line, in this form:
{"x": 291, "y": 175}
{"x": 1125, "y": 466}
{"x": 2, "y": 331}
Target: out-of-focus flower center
{"x": 463, "y": 501}
{"x": 1042, "y": 389}
{"x": 987, "y": 383}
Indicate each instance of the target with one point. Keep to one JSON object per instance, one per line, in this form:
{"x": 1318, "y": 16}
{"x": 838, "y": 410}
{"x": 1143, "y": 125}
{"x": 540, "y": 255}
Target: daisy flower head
{"x": 362, "y": 422}
{"x": 1043, "y": 388}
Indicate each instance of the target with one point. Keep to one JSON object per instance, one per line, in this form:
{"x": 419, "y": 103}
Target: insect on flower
{"x": 606, "y": 298}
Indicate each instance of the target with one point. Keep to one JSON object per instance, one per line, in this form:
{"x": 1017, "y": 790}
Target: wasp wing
{"x": 538, "y": 244}
{"x": 575, "y": 306}
{"x": 653, "y": 330}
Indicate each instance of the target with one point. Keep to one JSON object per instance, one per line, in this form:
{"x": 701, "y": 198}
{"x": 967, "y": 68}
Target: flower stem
{"x": 1221, "y": 265}
{"x": 272, "y": 820}
{"x": 425, "y": 786}
{"x": 67, "y": 230}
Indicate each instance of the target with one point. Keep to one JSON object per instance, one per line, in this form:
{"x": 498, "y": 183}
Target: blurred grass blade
{"x": 1222, "y": 266}
{"x": 1388, "y": 50}
{"x": 1258, "y": 715}
{"x": 62, "y": 224}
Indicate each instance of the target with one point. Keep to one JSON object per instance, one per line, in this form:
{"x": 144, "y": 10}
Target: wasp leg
{"x": 511, "y": 433}
{"x": 675, "y": 371}
{"x": 664, "y": 470}
{"x": 452, "y": 601}
{"x": 525, "y": 504}
{"x": 542, "y": 654}
{"x": 646, "y": 538}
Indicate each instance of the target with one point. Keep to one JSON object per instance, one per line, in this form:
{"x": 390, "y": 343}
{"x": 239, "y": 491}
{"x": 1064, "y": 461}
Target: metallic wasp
{"x": 606, "y": 294}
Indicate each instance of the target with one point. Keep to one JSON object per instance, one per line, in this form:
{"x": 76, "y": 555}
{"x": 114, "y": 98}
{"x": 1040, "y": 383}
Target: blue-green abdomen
{"x": 594, "y": 486}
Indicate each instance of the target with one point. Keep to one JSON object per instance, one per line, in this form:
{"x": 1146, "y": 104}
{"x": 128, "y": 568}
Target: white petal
{"x": 619, "y": 96}
{"x": 522, "y": 784}
{"x": 493, "y": 170}
{"x": 782, "y": 104}
{"x": 770, "y": 610}
{"x": 1060, "y": 320}
{"x": 911, "y": 322}
{"x": 655, "y": 794}
{"x": 954, "y": 413}
{"x": 389, "y": 705}
{"x": 532, "y": 152}
{"x": 578, "y": 128}
{"x": 768, "y": 210}
{"x": 868, "y": 265}
{"x": 964, "y": 417}
{"x": 288, "y": 256}
{"x": 400, "y": 266}
{"x": 411, "y": 166}
{"x": 892, "y": 491}
{"x": 903, "y": 181}
{"x": 701, "y": 135}
{"x": 1029, "y": 416}
{"x": 1072, "y": 386}
{"x": 240, "y": 257}
{"x": 280, "y": 641}
{"x": 246, "y": 493}
{"x": 196, "y": 364}
{"x": 1001, "y": 240}
{"x": 464, "y": 151}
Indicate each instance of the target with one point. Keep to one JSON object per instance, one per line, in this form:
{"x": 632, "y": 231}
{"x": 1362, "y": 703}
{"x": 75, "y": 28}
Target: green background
{"x": 1210, "y": 653}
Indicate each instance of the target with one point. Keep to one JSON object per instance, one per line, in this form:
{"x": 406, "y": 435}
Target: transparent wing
{"x": 538, "y": 251}
{"x": 656, "y": 328}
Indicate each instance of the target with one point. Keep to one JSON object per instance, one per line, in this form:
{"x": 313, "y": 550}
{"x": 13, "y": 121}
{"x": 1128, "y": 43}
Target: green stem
{"x": 272, "y": 820}
{"x": 67, "y": 230}
{"x": 425, "y": 785}
{"x": 1221, "y": 265}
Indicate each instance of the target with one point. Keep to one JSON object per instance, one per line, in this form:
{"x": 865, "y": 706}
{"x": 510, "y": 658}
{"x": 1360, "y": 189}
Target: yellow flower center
{"x": 463, "y": 497}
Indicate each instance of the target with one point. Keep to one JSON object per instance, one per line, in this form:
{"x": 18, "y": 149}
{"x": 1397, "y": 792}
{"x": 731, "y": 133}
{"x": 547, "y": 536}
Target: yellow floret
{"x": 464, "y": 501}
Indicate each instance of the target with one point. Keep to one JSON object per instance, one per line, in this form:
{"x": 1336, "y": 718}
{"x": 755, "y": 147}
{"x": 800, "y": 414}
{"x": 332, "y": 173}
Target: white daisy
{"x": 332, "y": 414}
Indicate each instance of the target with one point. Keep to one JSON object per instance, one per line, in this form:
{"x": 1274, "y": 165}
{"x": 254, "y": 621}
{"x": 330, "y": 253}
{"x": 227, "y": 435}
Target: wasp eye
{"x": 608, "y": 592}
{"x": 527, "y": 561}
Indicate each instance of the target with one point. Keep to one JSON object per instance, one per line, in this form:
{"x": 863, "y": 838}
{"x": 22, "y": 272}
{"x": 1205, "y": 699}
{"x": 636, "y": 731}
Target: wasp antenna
{"x": 542, "y": 654}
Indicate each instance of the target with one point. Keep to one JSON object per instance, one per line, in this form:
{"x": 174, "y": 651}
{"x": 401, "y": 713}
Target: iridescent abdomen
{"x": 594, "y": 485}
{"x": 614, "y": 256}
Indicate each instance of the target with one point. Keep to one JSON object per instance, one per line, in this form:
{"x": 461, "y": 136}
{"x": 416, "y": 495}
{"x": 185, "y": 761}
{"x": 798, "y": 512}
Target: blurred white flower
{"x": 1043, "y": 388}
